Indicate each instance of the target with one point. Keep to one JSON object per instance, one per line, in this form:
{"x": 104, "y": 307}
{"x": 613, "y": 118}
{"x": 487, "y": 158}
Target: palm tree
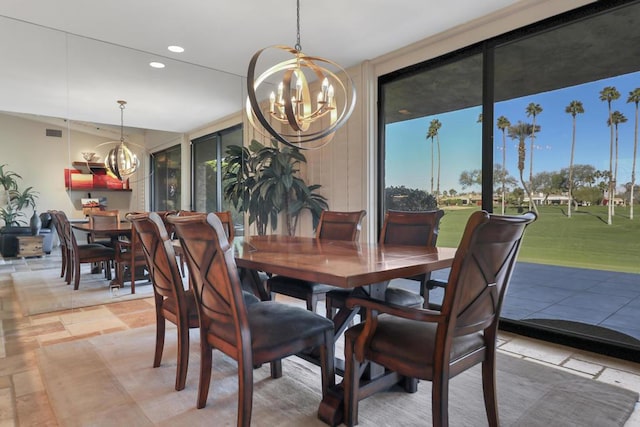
{"x": 610, "y": 93}
{"x": 532, "y": 111}
{"x": 437, "y": 125}
{"x": 634, "y": 96}
{"x": 432, "y": 134}
{"x": 616, "y": 118}
{"x": 574, "y": 108}
{"x": 503, "y": 123}
{"x": 521, "y": 131}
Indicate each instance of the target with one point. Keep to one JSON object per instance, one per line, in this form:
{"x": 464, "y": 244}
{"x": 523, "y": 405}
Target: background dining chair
{"x": 107, "y": 218}
{"x": 332, "y": 226}
{"x": 438, "y": 345}
{"x": 172, "y": 301}
{"x": 251, "y": 334}
{"x": 129, "y": 254}
{"x": 400, "y": 228}
{"x": 78, "y": 254}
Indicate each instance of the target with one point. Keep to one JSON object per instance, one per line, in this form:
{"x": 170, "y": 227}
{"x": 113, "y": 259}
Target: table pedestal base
{"x": 331, "y": 410}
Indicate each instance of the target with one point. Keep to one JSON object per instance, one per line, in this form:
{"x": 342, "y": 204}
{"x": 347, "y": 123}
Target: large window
{"x": 433, "y": 136}
{"x": 165, "y": 180}
{"x": 208, "y": 154}
{"x": 543, "y": 118}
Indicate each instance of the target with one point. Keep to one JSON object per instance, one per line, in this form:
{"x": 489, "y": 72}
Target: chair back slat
{"x": 340, "y": 225}
{"x": 411, "y": 228}
{"x": 104, "y": 218}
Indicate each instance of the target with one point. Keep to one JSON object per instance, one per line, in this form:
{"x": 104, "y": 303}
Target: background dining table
{"x": 121, "y": 229}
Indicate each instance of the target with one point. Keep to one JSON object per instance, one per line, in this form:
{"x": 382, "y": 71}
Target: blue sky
{"x": 460, "y": 137}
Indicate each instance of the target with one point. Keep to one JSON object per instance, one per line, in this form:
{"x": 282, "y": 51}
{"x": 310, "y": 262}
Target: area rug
{"x": 108, "y": 380}
{"x": 44, "y": 291}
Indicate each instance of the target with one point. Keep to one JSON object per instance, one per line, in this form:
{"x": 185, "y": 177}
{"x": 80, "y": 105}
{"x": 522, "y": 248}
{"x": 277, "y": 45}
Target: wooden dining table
{"x": 367, "y": 268}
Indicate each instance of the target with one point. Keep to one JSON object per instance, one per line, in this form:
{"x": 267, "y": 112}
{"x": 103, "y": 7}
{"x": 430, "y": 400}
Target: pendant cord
{"x": 298, "y": 45}
{"x": 122, "y": 104}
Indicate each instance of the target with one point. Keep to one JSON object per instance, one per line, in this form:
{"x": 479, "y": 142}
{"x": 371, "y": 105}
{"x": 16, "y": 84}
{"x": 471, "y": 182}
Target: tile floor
{"x": 24, "y": 402}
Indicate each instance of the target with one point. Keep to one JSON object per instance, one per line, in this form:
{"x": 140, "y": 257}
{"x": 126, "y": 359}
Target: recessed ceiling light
{"x": 176, "y": 49}
{"x": 156, "y": 64}
{"x": 404, "y": 111}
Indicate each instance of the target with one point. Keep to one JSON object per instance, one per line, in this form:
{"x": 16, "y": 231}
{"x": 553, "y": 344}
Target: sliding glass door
{"x": 208, "y": 154}
{"x": 165, "y": 180}
{"x": 544, "y": 118}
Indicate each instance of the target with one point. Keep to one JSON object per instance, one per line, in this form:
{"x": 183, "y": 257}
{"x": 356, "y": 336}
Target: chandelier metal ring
{"x": 293, "y": 108}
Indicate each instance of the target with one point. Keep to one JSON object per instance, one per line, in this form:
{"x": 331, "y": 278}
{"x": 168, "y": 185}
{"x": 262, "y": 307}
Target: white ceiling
{"x": 76, "y": 58}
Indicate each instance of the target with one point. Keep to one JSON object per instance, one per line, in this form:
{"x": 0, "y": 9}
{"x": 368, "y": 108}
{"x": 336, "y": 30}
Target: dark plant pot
{"x": 9, "y": 241}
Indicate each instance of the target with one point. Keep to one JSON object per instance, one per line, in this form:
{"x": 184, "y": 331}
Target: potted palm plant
{"x": 264, "y": 181}
{"x": 13, "y": 202}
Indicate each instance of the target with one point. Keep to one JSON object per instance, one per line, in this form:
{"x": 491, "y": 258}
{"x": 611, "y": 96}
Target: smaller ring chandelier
{"x": 121, "y": 161}
{"x": 290, "y": 109}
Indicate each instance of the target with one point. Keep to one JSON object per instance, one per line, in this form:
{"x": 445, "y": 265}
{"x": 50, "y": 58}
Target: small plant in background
{"x": 13, "y": 200}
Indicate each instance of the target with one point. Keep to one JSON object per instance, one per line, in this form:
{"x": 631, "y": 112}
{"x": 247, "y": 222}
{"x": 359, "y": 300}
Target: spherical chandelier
{"x": 292, "y": 115}
{"x": 121, "y": 161}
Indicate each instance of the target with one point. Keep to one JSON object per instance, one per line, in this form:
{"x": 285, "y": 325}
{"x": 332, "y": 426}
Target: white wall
{"x": 41, "y": 160}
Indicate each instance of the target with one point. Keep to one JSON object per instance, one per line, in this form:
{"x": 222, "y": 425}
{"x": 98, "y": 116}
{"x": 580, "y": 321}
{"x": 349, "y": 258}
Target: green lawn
{"x": 584, "y": 240}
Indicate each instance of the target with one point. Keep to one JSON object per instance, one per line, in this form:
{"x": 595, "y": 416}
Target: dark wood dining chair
{"x": 251, "y": 334}
{"x": 333, "y": 225}
{"x": 107, "y": 218}
{"x": 172, "y": 301}
{"x": 78, "y": 254}
{"x": 418, "y": 228}
{"x": 438, "y": 345}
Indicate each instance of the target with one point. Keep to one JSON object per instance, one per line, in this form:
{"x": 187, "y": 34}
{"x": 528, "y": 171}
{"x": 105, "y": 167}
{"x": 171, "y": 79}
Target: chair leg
{"x": 276, "y": 368}
{"x": 424, "y": 293}
{"x": 245, "y": 391}
{"x": 312, "y": 302}
{"x": 206, "y": 360}
{"x": 120, "y": 273}
{"x": 76, "y": 275}
{"x": 132, "y": 270}
{"x": 160, "y": 331}
{"x": 107, "y": 267}
{"x": 440, "y": 401}
{"x": 183, "y": 354}
{"x": 64, "y": 262}
{"x": 489, "y": 391}
{"x": 351, "y": 385}
{"x": 69, "y": 269}
{"x": 331, "y": 310}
